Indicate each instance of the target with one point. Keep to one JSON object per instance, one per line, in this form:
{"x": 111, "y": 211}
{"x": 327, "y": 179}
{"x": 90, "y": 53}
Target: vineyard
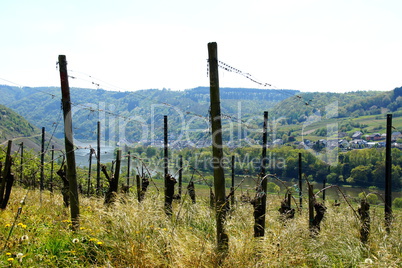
{"x": 55, "y": 213}
{"x": 133, "y": 234}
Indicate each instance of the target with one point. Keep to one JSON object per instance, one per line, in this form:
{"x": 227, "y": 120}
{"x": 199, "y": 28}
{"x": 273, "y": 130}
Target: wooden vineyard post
{"x": 98, "y": 163}
{"x": 217, "y": 151}
{"x": 69, "y": 144}
{"x": 180, "y": 174}
{"x": 42, "y": 161}
{"x": 388, "y": 175}
{"x": 22, "y": 163}
{"x": 128, "y": 168}
{"x": 191, "y": 191}
{"x": 8, "y": 178}
{"x": 310, "y": 206}
{"x": 117, "y": 171}
{"x": 51, "y": 170}
{"x": 138, "y": 181}
{"x": 232, "y": 196}
{"x": 169, "y": 180}
{"x": 364, "y": 213}
{"x": 260, "y": 202}
{"x": 91, "y": 152}
{"x": 300, "y": 181}
{"x": 324, "y": 184}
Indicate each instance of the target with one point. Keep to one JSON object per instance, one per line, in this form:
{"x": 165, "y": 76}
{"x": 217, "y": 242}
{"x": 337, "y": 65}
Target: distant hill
{"x": 297, "y": 109}
{"x": 132, "y": 117}
{"x": 14, "y": 127}
{"x": 129, "y": 115}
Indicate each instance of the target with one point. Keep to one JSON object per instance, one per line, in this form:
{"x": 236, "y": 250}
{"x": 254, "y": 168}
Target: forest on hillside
{"x": 132, "y": 117}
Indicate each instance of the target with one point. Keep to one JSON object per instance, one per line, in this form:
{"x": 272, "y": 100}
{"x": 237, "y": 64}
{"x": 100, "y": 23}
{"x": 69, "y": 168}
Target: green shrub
{"x": 397, "y": 202}
{"x": 272, "y": 187}
{"x": 371, "y": 198}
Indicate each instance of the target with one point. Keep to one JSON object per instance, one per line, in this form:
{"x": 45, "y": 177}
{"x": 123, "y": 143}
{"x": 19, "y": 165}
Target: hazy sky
{"x": 310, "y": 45}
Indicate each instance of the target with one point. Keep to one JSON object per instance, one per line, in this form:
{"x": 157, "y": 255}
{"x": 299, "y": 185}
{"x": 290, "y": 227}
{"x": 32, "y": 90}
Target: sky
{"x": 127, "y": 45}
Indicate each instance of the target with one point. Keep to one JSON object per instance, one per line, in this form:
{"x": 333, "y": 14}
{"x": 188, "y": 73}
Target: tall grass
{"x": 132, "y": 234}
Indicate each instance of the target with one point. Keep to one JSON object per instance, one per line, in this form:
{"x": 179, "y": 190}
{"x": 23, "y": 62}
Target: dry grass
{"x": 129, "y": 234}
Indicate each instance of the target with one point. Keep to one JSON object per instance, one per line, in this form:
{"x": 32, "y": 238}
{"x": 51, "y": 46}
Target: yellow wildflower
{"x": 7, "y": 225}
{"x": 10, "y": 259}
{"x": 99, "y": 243}
{"x": 8, "y": 254}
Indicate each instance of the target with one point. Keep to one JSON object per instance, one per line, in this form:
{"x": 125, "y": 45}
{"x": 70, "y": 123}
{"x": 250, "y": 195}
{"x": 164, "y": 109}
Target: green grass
{"x": 129, "y": 234}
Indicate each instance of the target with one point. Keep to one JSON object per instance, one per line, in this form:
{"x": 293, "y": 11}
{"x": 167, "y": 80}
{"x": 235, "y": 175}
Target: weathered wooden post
{"x": 232, "y": 197}
{"x": 165, "y": 147}
{"x": 128, "y": 168}
{"x": 180, "y": 174}
{"x": 324, "y": 184}
{"x": 217, "y": 151}
{"x": 91, "y": 152}
{"x": 69, "y": 144}
{"x": 42, "y": 161}
{"x": 51, "y": 170}
{"x": 98, "y": 163}
{"x": 260, "y": 205}
{"x": 117, "y": 170}
{"x": 310, "y": 205}
{"x": 144, "y": 186}
{"x": 388, "y": 175}
{"x": 300, "y": 181}
{"x": 22, "y": 163}
{"x": 8, "y": 178}
{"x": 168, "y": 204}
{"x": 137, "y": 177}
{"x": 364, "y": 213}
{"x": 191, "y": 191}
{"x": 169, "y": 180}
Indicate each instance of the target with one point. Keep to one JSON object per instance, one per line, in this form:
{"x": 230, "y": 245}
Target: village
{"x": 357, "y": 141}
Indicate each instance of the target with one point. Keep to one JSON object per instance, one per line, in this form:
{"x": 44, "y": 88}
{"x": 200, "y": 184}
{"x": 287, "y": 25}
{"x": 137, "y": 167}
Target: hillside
{"x": 135, "y": 116}
{"x": 311, "y": 113}
{"x": 353, "y": 104}
{"x": 15, "y": 127}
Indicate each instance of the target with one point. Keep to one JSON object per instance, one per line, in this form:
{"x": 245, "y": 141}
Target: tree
{"x": 361, "y": 175}
{"x": 150, "y": 151}
{"x": 332, "y": 178}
